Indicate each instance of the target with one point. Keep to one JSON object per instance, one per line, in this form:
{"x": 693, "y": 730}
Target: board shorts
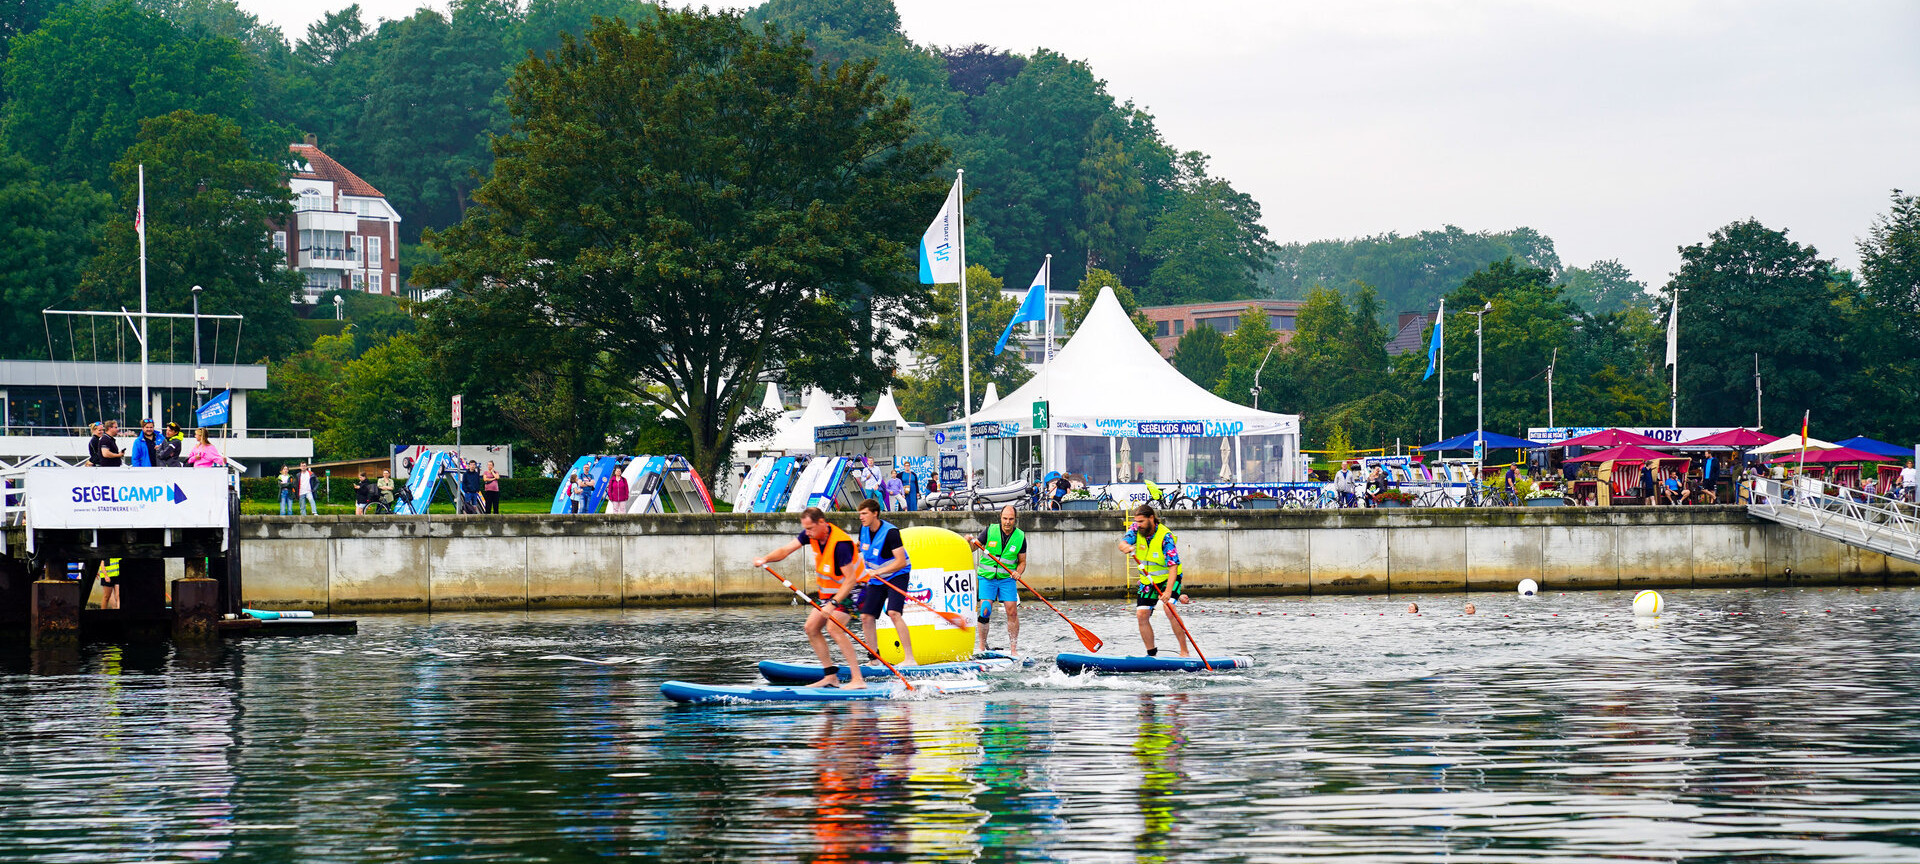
{"x": 1147, "y": 597}
{"x": 851, "y": 605}
{"x": 1002, "y": 590}
{"x": 877, "y": 600}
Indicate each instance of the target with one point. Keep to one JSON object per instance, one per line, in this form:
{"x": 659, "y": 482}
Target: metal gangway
{"x": 1855, "y": 517}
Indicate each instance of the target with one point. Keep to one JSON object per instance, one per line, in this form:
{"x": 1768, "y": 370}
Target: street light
{"x": 1256, "y": 378}
{"x": 339, "y": 308}
{"x": 1479, "y": 385}
{"x": 199, "y": 374}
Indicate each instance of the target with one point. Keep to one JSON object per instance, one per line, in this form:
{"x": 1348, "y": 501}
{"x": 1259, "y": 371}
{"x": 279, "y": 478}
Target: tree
{"x": 1209, "y": 243}
{"x": 1201, "y": 355}
{"x": 700, "y": 206}
{"x": 1749, "y": 290}
{"x": 19, "y": 17}
{"x": 932, "y": 392}
{"x": 1885, "y": 325}
{"x": 209, "y": 200}
{"x": 1607, "y": 286}
{"x": 1411, "y": 272}
{"x": 82, "y": 84}
{"x": 1246, "y": 349}
{"x": 1089, "y": 291}
{"x": 48, "y": 231}
{"x": 388, "y": 395}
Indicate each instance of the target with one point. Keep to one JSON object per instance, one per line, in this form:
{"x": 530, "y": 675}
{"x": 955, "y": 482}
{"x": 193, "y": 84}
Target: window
{"x": 373, "y": 253}
{"x": 1280, "y": 322}
{"x": 1159, "y": 328}
{"x": 358, "y": 282}
{"x": 1224, "y": 323}
{"x": 280, "y": 242}
{"x": 1180, "y": 327}
{"x": 354, "y": 243}
{"x": 393, "y": 284}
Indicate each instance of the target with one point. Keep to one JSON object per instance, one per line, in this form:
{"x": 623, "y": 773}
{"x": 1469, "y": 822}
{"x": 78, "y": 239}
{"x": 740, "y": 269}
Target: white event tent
{"x": 797, "y": 437}
{"x": 886, "y": 411}
{"x": 1119, "y": 413}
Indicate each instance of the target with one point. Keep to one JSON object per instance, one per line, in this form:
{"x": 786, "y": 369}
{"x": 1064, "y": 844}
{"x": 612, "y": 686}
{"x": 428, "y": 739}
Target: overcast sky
{"x": 1619, "y": 129}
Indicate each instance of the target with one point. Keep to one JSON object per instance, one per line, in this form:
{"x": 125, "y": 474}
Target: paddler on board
{"x": 1156, "y": 568}
{"x": 884, "y": 553}
{"x": 836, "y": 567}
{"x": 1003, "y": 541}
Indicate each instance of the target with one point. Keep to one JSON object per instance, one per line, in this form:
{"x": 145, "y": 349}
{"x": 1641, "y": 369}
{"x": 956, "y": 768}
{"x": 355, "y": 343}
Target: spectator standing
{"x": 304, "y": 483}
{"x": 146, "y": 446}
{"x": 577, "y": 492}
{"x": 204, "y": 454}
{"x": 1906, "y": 482}
{"x": 618, "y": 492}
{"x": 470, "y": 488}
{"x": 1343, "y": 487}
{"x": 1376, "y": 484}
{"x": 491, "y": 491}
{"x": 912, "y": 482}
{"x": 110, "y": 445}
{"x": 170, "y": 446}
{"x": 896, "y": 490}
{"x": 286, "y": 492}
{"x": 364, "y": 493}
{"x": 869, "y": 479}
{"x": 385, "y": 487}
{"x": 95, "y": 444}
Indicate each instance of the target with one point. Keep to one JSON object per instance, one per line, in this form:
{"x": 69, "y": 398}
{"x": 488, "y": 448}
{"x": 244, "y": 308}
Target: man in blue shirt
{"x": 885, "y": 554}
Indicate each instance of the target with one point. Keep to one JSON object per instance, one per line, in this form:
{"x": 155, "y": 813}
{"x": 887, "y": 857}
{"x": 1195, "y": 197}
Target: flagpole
{"x": 1673, "y": 360}
{"x": 1440, "y": 359}
{"x": 1048, "y": 269}
{"x": 966, "y": 346}
{"x": 140, "y": 218}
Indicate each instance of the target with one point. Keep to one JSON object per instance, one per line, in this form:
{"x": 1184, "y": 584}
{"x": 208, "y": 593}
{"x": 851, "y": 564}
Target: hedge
{"x": 267, "y": 489}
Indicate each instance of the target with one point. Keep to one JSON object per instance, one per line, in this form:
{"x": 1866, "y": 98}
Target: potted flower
{"x": 1393, "y": 498}
{"x": 1080, "y": 499}
{"x": 1538, "y": 497}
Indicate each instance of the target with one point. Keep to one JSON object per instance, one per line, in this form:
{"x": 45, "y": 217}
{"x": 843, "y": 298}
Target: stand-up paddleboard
{"x": 1074, "y": 664}
{"x": 560, "y": 494}
{"x": 775, "y": 493}
{"x": 643, "y": 484}
{"x": 682, "y": 691}
{"x": 782, "y": 672}
{"x": 603, "y": 469}
{"x": 800, "y": 494}
{"x": 749, "y": 490}
{"x": 676, "y": 465}
{"x": 685, "y": 492}
{"x": 844, "y": 489}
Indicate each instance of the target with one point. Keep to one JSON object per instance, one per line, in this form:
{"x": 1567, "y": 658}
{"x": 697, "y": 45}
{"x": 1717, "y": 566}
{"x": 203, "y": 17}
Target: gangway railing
{"x": 1855, "y": 517}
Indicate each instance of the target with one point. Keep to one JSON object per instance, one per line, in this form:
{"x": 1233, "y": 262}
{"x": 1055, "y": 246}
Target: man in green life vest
{"x": 1003, "y": 540}
{"x": 1155, "y": 568}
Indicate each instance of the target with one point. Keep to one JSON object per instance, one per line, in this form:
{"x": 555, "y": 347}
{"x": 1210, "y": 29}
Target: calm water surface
{"x": 1552, "y": 729}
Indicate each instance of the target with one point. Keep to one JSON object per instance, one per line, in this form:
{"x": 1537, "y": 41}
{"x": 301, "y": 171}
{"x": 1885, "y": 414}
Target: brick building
{"x": 1172, "y": 322}
{"x": 344, "y": 233}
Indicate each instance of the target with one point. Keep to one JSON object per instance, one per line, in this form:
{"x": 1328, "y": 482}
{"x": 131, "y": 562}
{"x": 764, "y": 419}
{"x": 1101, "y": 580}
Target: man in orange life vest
{"x": 837, "y": 567}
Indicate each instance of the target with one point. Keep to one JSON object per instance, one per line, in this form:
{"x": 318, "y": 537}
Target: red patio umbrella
{"x": 1613, "y": 438}
{"x": 1837, "y": 454}
{"x": 1732, "y": 438}
{"x": 1627, "y": 452}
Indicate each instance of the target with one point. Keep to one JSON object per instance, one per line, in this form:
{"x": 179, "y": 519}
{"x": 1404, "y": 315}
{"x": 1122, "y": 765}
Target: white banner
{"x": 60, "y": 498}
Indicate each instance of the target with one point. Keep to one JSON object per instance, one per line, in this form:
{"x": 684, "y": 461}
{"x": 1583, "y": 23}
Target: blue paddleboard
{"x": 682, "y": 691}
{"x": 1073, "y": 664}
{"x": 782, "y": 672}
{"x": 774, "y": 494}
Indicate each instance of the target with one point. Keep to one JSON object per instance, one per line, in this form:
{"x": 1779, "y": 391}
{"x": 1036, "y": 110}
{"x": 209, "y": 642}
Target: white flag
{"x": 1673, "y": 331}
{"x": 140, "y": 210}
{"x": 940, "y": 246}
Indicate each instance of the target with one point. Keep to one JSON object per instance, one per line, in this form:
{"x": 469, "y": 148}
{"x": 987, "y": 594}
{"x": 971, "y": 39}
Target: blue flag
{"x": 1439, "y": 336}
{"x": 1033, "y": 308}
{"x": 216, "y": 411}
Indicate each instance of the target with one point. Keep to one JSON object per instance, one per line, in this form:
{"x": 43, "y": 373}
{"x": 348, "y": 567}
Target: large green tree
{"x": 1209, "y": 243}
{"x": 1201, "y": 355}
{"x": 1410, "y": 272}
{"x": 1884, "y": 330}
{"x": 932, "y": 392}
{"x": 1749, "y": 290}
{"x": 209, "y": 200}
{"x": 1089, "y": 291}
{"x": 48, "y": 231}
{"x": 80, "y": 86}
{"x": 703, "y": 206}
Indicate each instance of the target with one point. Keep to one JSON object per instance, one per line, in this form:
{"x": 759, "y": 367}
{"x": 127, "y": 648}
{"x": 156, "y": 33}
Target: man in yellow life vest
{"x": 1003, "y": 540}
{"x": 837, "y": 567}
{"x": 1156, "y": 567}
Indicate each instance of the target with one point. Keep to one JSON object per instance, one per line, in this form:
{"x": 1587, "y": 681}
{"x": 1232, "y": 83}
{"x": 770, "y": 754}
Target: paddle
{"x": 1173, "y": 613}
{"x": 949, "y": 617}
{"x": 836, "y": 622}
{"x": 1087, "y": 638}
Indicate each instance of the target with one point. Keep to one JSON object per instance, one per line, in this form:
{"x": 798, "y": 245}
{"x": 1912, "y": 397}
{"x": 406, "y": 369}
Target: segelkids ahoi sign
{"x": 62, "y": 498}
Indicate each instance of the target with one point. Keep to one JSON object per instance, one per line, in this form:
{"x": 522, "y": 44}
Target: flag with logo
{"x": 940, "y": 246}
{"x": 1673, "y": 330}
{"x": 1032, "y": 308}
{"x": 217, "y": 410}
{"x": 1433, "y": 344}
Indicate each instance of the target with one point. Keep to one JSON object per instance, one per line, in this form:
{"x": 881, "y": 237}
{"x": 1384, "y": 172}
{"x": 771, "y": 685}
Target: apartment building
{"x": 344, "y": 233}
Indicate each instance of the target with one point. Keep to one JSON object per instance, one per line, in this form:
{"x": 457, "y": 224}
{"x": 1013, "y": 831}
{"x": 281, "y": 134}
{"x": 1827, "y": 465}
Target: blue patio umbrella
{"x": 1495, "y": 441}
{"x": 1877, "y": 448}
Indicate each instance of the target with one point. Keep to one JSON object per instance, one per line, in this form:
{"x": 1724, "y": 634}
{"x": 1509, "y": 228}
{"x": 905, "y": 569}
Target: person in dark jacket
{"x": 471, "y": 486}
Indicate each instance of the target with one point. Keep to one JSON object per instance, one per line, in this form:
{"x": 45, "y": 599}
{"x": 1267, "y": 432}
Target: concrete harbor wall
{"x": 349, "y": 564}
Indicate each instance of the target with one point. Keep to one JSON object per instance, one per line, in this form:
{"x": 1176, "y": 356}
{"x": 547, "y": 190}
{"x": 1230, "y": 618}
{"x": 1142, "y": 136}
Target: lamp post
{"x": 1256, "y": 378}
{"x": 199, "y": 375}
{"x": 1480, "y": 385}
{"x": 339, "y": 308}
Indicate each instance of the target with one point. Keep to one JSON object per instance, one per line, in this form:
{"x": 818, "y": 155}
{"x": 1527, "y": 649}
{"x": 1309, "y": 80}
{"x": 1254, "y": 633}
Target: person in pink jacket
{"x": 617, "y": 493}
{"x": 204, "y": 455}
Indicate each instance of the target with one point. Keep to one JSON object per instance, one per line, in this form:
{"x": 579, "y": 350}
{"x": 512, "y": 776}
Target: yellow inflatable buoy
{"x": 942, "y": 578}
{"x": 1646, "y": 604}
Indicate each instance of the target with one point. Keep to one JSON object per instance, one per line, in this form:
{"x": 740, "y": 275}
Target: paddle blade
{"x": 1087, "y": 638}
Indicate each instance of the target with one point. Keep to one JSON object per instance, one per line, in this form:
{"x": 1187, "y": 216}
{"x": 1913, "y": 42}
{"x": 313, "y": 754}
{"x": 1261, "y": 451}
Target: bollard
{"x": 56, "y": 613}
{"x": 196, "y": 605}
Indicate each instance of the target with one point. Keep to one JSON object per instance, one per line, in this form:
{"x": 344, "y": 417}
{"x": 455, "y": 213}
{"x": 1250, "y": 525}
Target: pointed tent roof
{"x": 798, "y": 436}
{"x": 1792, "y": 444}
{"x": 1624, "y": 453}
{"x": 993, "y": 395}
{"x": 1108, "y": 371}
{"x": 887, "y": 410}
{"x": 771, "y": 401}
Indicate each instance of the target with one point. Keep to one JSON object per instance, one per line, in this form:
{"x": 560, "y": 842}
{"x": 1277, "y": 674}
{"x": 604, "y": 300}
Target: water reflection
{"x": 1729, "y": 732}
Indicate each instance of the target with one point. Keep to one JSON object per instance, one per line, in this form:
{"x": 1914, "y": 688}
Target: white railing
{"x": 1890, "y": 526}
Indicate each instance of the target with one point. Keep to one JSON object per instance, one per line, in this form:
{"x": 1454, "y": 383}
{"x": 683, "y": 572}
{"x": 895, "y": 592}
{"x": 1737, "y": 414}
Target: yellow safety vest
{"x": 1152, "y": 553}
{"x": 110, "y": 568}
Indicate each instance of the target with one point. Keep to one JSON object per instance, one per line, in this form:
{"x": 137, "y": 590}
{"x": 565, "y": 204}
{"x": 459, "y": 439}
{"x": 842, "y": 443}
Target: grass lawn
{"x": 259, "y": 508}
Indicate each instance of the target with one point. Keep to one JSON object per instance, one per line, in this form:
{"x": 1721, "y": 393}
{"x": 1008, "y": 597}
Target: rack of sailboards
{"x": 655, "y": 484}
{"x": 790, "y": 484}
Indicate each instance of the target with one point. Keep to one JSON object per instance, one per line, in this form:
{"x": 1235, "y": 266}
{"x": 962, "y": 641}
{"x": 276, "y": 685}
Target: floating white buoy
{"x": 1646, "y": 604}
{"x": 1528, "y": 587}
